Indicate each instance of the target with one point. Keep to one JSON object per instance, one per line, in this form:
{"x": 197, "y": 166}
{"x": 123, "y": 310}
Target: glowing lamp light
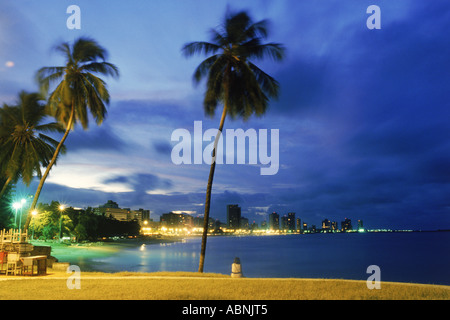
{"x": 17, "y": 205}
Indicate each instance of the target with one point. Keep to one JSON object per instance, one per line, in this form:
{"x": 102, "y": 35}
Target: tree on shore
{"x": 24, "y": 145}
{"x": 6, "y": 214}
{"x": 233, "y": 80}
{"x": 78, "y": 93}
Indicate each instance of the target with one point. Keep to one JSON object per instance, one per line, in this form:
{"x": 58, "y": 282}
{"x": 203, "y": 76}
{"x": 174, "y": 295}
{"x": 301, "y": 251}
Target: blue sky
{"x": 363, "y": 114}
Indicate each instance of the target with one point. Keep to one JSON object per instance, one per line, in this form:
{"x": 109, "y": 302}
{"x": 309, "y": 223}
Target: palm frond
{"x": 268, "y": 84}
{"x": 200, "y": 47}
{"x": 87, "y": 49}
{"x": 203, "y": 69}
{"x": 48, "y": 75}
{"x": 104, "y": 68}
{"x": 257, "y": 30}
{"x": 64, "y": 49}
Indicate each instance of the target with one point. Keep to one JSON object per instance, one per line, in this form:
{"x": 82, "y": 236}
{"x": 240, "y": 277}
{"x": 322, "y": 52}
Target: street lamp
{"x": 22, "y": 202}
{"x": 16, "y": 206}
{"x": 61, "y": 209}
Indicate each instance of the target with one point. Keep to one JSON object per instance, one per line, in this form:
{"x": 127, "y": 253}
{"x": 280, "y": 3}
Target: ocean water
{"x": 420, "y": 257}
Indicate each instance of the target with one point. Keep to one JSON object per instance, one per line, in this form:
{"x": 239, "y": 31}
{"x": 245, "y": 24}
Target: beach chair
{"x": 14, "y": 265}
{"x": 3, "y": 259}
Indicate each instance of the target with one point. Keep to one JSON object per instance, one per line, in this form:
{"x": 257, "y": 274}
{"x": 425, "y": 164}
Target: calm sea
{"x": 420, "y": 257}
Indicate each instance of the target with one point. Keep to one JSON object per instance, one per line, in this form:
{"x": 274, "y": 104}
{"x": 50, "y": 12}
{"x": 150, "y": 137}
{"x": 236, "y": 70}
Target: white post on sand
{"x": 236, "y": 268}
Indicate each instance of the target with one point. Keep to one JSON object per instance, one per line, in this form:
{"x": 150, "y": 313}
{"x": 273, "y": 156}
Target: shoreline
{"x": 108, "y": 256}
{"x": 65, "y": 252}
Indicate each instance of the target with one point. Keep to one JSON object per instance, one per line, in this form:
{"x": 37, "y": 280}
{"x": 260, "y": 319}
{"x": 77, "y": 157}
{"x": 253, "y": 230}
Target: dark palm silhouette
{"x": 24, "y": 146}
{"x": 78, "y": 93}
{"x": 233, "y": 80}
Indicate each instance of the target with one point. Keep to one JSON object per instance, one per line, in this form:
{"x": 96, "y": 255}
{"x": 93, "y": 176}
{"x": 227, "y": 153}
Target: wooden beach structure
{"x": 16, "y": 254}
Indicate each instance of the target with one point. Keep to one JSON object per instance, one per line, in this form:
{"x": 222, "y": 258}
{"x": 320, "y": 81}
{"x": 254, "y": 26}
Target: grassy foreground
{"x": 195, "y": 286}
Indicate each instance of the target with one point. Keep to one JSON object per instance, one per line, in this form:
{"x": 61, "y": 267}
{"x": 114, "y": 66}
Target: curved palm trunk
{"x": 208, "y": 192}
{"x": 211, "y": 175}
{"x": 49, "y": 167}
{"x": 5, "y": 186}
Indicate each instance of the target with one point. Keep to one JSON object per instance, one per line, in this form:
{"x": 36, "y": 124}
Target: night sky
{"x": 364, "y": 115}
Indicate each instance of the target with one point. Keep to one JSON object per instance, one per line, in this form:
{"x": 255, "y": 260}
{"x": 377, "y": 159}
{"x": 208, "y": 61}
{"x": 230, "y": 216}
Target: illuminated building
{"x": 326, "y": 225}
{"x": 176, "y": 220}
{"x": 360, "y": 226}
{"x": 346, "y": 225}
{"x": 112, "y": 209}
{"x": 334, "y": 226}
{"x": 291, "y": 221}
{"x": 140, "y": 215}
{"x": 234, "y": 216}
{"x": 274, "y": 221}
{"x": 284, "y": 223}
{"x": 244, "y": 223}
{"x": 264, "y": 225}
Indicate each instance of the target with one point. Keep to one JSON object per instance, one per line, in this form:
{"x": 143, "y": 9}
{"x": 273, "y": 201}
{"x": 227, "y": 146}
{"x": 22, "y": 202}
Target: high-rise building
{"x": 233, "y": 216}
{"x": 243, "y": 223}
{"x": 284, "y": 223}
{"x": 346, "y": 225}
{"x": 274, "y": 221}
{"x": 334, "y": 226}
{"x": 111, "y": 209}
{"x": 176, "y": 220}
{"x": 360, "y": 225}
{"x": 140, "y": 215}
{"x": 326, "y": 225}
{"x": 291, "y": 221}
{"x": 299, "y": 225}
{"x": 264, "y": 225}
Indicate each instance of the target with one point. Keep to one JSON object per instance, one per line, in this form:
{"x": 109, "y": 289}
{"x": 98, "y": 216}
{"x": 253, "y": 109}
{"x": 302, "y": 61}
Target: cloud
{"x": 162, "y": 147}
{"x": 363, "y": 118}
{"x": 142, "y": 184}
{"x": 95, "y": 138}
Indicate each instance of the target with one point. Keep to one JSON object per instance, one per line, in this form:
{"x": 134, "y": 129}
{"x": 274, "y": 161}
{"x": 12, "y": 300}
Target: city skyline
{"x": 362, "y": 114}
{"x": 289, "y": 221}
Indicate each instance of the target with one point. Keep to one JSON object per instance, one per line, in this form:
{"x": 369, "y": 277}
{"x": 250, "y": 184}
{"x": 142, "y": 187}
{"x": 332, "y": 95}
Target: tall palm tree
{"x": 24, "y": 148}
{"x": 79, "y": 91}
{"x": 233, "y": 80}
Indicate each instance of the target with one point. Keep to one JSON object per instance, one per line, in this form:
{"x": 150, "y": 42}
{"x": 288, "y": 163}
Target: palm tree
{"x": 233, "y": 80}
{"x": 24, "y": 148}
{"x": 78, "y": 91}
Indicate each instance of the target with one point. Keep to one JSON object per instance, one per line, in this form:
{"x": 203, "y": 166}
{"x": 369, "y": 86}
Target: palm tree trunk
{"x": 5, "y": 186}
{"x": 211, "y": 174}
{"x": 49, "y": 167}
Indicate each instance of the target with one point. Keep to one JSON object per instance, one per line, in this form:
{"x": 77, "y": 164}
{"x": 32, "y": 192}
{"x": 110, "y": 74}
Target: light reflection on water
{"x": 413, "y": 257}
